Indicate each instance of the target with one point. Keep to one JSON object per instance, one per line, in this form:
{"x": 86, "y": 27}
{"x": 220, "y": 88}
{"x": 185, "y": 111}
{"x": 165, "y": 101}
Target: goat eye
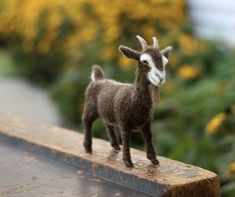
{"x": 145, "y": 62}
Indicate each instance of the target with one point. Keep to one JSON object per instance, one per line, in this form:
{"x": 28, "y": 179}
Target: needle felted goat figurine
{"x": 127, "y": 106}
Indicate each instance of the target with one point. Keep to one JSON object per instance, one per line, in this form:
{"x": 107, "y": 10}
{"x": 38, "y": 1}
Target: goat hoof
{"x": 155, "y": 161}
{"x": 116, "y": 147}
{"x": 88, "y": 150}
{"x": 129, "y": 164}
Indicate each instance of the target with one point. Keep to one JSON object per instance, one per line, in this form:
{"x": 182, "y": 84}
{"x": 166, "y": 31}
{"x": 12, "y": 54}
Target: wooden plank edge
{"x": 209, "y": 186}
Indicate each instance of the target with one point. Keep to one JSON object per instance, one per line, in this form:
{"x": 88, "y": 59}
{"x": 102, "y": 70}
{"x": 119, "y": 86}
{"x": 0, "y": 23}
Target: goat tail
{"x": 97, "y": 73}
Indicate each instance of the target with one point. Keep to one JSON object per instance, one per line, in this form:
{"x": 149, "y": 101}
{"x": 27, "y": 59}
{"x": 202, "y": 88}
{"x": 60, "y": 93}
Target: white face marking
{"x": 155, "y": 76}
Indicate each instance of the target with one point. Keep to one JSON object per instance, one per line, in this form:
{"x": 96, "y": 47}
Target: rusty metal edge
{"x": 101, "y": 171}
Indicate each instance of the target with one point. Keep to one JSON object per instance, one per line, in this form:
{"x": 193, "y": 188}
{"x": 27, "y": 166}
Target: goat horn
{"x": 142, "y": 42}
{"x": 155, "y": 42}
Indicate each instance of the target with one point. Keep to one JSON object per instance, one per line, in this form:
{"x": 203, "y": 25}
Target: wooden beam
{"x": 170, "y": 178}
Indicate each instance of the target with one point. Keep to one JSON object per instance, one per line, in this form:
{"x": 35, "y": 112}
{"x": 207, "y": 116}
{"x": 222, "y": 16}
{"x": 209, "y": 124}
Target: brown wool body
{"x": 127, "y": 106}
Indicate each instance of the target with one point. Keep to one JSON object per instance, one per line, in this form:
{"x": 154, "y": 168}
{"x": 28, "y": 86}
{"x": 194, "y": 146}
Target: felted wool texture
{"x": 126, "y": 106}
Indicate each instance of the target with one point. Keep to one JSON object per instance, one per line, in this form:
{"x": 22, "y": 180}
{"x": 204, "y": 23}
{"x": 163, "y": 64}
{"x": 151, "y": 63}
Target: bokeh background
{"x": 52, "y": 44}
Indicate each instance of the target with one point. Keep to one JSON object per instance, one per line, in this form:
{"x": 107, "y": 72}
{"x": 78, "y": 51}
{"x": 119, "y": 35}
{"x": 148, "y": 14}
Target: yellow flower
{"x": 54, "y": 19}
{"x": 188, "y": 44}
{"x": 188, "y": 72}
{"x": 214, "y": 124}
{"x": 47, "y": 22}
{"x": 232, "y": 167}
{"x": 149, "y": 31}
{"x": 125, "y": 63}
{"x": 111, "y": 33}
{"x": 231, "y": 170}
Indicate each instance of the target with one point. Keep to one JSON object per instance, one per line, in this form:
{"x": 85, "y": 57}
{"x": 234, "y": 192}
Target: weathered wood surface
{"x": 27, "y": 174}
{"x": 171, "y": 178}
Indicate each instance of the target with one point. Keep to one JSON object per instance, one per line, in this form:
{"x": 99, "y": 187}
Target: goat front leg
{"x": 126, "y": 156}
{"x": 151, "y": 155}
{"x": 112, "y": 137}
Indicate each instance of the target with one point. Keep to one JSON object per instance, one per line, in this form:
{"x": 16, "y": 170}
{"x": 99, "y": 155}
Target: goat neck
{"x": 143, "y": 90}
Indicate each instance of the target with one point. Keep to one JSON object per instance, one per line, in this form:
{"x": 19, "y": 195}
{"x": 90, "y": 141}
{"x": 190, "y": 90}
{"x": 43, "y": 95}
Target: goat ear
{"x": 167, "y": 51}
{"x": 130, "y": 53}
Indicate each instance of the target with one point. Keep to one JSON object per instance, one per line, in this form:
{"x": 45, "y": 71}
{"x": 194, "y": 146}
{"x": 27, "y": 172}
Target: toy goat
{"x": 127, "y": 106}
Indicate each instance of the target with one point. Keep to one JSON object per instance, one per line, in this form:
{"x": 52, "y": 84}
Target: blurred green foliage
{"x": 56, "y": 43}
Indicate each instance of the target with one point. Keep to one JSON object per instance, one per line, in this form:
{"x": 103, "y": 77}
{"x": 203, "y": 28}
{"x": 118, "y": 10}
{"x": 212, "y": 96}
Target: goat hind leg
{"x": 87, "y": 124}
{"x": 151, "y": 155}
{"x": 112, "y": 137}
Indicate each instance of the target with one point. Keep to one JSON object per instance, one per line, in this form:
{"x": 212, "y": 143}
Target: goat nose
{"x": 160, "y": 78}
